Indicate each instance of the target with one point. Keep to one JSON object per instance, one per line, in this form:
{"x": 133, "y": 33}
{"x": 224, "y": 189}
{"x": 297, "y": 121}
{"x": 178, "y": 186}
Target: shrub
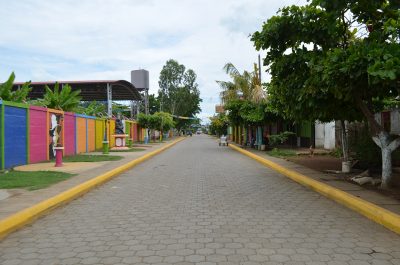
{"x": 363, "y": 148}
{"x": 276, "y": 139}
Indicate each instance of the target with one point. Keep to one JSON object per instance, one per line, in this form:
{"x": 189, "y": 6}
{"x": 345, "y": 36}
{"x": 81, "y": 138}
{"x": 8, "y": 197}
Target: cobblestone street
{"x": 198, "y": 203}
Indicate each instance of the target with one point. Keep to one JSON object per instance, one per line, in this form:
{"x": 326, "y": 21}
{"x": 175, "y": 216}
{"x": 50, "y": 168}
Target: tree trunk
{"x": 382, "y": 140}
{"x": 386, "y": 167}
{"x": 345, "y": 143}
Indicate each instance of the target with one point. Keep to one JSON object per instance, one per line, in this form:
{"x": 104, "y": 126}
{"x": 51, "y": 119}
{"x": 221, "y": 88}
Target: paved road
{"x": 198, "y": 203}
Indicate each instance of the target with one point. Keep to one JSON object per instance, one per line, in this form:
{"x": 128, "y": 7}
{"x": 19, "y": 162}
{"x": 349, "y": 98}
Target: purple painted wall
{"x": 69, "y": 134}
{"x": 37, "y": 134}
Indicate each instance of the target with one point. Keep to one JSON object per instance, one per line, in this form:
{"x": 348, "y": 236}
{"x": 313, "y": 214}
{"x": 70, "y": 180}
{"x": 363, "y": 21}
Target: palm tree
{"x": 258, "y": 94}
{"x": 66, "y": 99}
{"x": 246, "y": 85}
{"x": 19, "y": 95}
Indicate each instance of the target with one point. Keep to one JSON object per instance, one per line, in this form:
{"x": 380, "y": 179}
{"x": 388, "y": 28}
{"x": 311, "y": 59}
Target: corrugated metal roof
{"x": 90, "y": 89}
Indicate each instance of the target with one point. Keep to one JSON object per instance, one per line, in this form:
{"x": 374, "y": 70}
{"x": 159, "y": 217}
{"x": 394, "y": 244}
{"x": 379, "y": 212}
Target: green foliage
{"x": 219, "y": 124}
{"x": 276, "y": 139}
{"x": 157, "y": 121}
{"x": 120, "y": 109}
{"x": 233, "y": 109}
{"x": 179, "y": 93}
{"x": 135, "y": 149}
{"x": 165, "y": 121}
{"x": 248, "y": 112}
{"x": 91, "y": 158}
{"x": 66, "y": 99}
{"x": 337, "y": 152}
{"x": 154, "y": 122}
{"x": 244, "y": 97}
{"x": 92, "y": 108}
{"x": 281, "y": 152}
{"x": 252, "y": 113}
{"x": 246, "y": 85}
{"x": 144, "y": 120}
{"x": 154, "y": 104}
{"x": 322, "y": 67}
{"x": 19, "y": 95}
{"x": 364, "y": 149}
{"x": 31, "y": 180}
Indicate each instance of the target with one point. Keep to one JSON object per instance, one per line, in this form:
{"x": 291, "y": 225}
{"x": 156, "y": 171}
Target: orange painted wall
{"x": 80, "y": 135}
{"x": 91, "y": 135}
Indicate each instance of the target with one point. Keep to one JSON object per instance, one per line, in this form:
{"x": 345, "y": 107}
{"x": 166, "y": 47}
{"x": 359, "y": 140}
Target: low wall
{"x": 28, "y": 134}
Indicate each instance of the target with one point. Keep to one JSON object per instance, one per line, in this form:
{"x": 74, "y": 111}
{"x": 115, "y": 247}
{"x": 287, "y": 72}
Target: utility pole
{"x": 259, "y": 67}
{"x": 146, "y": 101}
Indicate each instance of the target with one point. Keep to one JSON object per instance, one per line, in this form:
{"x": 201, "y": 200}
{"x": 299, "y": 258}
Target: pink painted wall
{"x": 37, "y": 134}
{"x": 69, "y": 134}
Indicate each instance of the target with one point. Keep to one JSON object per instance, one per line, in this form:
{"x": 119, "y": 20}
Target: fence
{"x": 28, "y": 134}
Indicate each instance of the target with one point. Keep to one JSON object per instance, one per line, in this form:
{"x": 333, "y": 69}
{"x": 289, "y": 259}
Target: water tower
{"x": 140, "y": 79}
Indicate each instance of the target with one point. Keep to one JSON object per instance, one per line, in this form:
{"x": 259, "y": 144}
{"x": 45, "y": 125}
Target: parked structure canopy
{"x": 91, "y": 89}
{"x": 99, "y": 90}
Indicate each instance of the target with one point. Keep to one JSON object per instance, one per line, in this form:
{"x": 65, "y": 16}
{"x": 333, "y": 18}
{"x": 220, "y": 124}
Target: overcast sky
{"x": 47, "y": 40}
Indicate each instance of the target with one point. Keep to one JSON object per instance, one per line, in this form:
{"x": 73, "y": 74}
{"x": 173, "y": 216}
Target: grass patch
{"x": 31, "y": 180}
{"x": 129, "y": 150}
{"x": 91, "y": 158}
{"x": 281, "y": 152}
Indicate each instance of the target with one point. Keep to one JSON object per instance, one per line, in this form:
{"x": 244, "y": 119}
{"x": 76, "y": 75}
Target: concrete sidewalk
{"x": 15, "y": 200}
{"x": 371, "y": 196}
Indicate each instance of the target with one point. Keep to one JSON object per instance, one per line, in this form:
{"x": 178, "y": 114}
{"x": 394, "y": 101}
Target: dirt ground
{"x": 327, "y": 162}
{"x": 318, "y": 162}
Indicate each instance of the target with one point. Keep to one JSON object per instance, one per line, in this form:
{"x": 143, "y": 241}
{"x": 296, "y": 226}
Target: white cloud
{"x": 100, "y": 39}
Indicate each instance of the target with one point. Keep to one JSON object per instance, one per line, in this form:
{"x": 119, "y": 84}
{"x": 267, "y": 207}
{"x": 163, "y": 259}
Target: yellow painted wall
{"x": 143, "y": 134}
{"x": 112, "y": 131}
{"x": 81, "y": 135}
{"x": 128, "y": 125}
{"x": 99, "y": 134}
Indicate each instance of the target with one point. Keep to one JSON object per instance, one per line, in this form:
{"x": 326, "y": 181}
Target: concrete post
{"x": 109, "y": 100}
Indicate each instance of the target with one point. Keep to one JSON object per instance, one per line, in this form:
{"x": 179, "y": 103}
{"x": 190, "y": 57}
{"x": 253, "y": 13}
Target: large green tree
{"x": 160, "y": 121}
{"x": 154, "y": 104}
{"x": 179, "y": 93}
{"x": 335, "y": 59}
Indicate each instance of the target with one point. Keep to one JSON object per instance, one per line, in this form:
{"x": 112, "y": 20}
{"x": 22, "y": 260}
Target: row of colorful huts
{"x": 25, "y": 133}
{"x": 259, "y": 135}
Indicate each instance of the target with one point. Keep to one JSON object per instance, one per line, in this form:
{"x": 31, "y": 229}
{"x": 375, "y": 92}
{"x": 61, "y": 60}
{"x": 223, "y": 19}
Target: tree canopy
{"x": 333, "y": 59}
{"x": 219, "y": 124}
{"x": 327, "y": 57}
{"x": 161, "y": 121}
{"x": 179, "y": 93}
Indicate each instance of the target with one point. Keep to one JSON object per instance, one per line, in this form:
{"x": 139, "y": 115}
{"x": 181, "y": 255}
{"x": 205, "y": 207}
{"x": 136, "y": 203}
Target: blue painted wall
{"x": 15, "y": 137}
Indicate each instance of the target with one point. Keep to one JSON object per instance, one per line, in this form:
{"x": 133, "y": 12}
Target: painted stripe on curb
{"x": 377, "y": 214}
{"x": 27, "y": 215}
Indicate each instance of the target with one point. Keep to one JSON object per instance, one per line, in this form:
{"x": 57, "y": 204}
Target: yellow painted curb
{"x": 378, "y": 214}
{"x": 27, "y": 215}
